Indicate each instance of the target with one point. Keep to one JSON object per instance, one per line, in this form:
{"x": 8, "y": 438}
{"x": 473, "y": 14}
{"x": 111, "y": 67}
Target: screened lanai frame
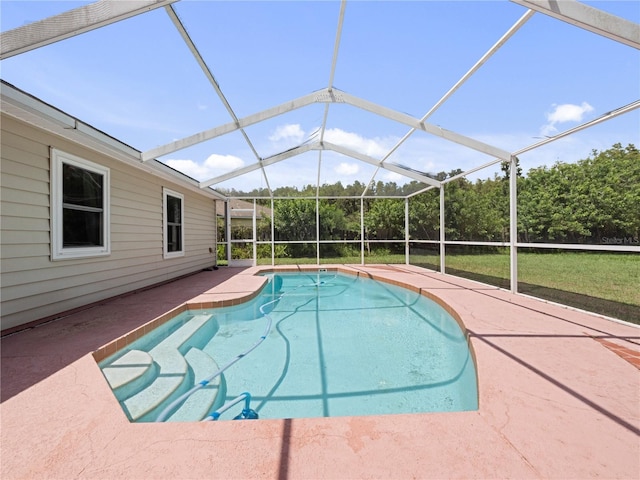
{"x": 96, "y": 15}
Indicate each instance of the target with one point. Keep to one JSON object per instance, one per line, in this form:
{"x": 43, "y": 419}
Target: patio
{"x": 558, "y": 395}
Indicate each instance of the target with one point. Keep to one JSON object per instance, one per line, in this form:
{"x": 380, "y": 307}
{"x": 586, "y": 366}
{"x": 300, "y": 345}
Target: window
{"x": 173, "y": 223}
{"x": 79, "y": 207}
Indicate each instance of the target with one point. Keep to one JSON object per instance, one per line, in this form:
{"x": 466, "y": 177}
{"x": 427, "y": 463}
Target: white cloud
{"x": 388, "y": 176}
{"x": 374, "y": 147}
{"x": 213, "y": 166}
{"x": 347, "y": 169}
{"x": 566, "y": 112}
{"x": 223, "y": 162}
{"x": 569, "y": 113}
{"x": 289, "y": 132}
{"x": 423, "y": 153}
{"x": 188, "y": 167}
{"x": 285, "y": 136}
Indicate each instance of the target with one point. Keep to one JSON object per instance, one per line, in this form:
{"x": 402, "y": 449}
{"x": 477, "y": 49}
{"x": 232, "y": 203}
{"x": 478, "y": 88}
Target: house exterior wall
{"x": 33, "y": 286}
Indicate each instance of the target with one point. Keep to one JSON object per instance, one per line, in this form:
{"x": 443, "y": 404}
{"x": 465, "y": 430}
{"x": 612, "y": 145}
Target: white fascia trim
{"x": 20, "y": 105}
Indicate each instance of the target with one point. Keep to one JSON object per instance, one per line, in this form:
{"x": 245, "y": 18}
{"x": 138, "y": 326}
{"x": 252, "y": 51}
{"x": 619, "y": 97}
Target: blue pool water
{"x": 337, "y": 345}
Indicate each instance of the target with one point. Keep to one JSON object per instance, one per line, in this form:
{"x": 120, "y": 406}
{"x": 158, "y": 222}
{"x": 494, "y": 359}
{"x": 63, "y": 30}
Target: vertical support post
{"x": 317, "y": 230}
{"x": 254, "y": 234}
{"x": 442, "y": 236}
{"x": 513, "y": 223}
{"x": 406, "y": 231}
{"x": 227, "y": 228}
{"x": 215, "y": 234}
{"x": 361, "y": 231}
{"x": 273, "y": 238}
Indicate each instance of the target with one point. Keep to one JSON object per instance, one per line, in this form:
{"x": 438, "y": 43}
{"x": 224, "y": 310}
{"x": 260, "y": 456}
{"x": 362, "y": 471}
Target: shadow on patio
{"x": 31, "y": 355}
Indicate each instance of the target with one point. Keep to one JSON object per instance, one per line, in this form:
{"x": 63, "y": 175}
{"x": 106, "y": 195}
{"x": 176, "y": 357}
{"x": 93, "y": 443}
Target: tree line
{"x": 594, "y": 200}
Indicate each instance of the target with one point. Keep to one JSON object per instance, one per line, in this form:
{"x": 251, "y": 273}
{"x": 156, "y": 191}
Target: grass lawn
{"x": 605, "y": 275}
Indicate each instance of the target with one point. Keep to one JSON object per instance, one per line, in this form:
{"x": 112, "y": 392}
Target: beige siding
{"x": 32, "y": 285}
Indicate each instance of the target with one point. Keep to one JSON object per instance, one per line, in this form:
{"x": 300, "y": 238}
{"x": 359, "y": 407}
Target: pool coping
{"x": 555, "y": 402}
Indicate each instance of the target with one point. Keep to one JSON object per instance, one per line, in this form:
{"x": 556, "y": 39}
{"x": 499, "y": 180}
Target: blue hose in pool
{"x": 247, "y": 412}
{"x": 178, "y": 401}
{"x": 277, "y": 286}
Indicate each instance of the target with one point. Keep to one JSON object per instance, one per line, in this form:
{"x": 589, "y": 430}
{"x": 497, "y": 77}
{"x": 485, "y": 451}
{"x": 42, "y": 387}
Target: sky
{"x": 137, "y": 81}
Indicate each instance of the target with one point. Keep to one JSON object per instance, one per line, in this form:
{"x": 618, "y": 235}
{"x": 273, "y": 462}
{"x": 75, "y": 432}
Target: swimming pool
{"x": 331, "y": 344}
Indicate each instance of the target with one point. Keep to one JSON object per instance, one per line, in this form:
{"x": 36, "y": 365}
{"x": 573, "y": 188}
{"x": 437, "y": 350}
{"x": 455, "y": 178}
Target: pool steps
{"x": 132, "y": 371}
{"x": 208, "y": 398}
{"x": 146, "y": 382}
{"x": 171, "y": 377}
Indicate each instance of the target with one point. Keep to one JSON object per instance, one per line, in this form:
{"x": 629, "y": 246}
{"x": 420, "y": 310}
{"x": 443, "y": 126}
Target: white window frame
{"x": 165, "y": 239}
{"x": 58, "y": 250}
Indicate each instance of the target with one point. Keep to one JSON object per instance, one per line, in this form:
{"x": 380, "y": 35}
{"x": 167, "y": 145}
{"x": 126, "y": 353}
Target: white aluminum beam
{"x": 228, "y": 176}
{"x": 421, "y": 191}
{"x": 232, "y": 126}
{"x": 591, "y": 123}
{"x": 407, "y": 236}
{"x": 207, "y": 71}
{"x": 472, "y": 170}
{"x": 516, "y": 26}
{"x": 255, "y": 166}
{"x": 334, "y": 61}
{"x": 582, "y": 246}
{"x": 292, "y": 152}
{"x": 362, "y": 232}
{"x": 71, "y": 23}
{"x": 443, "y": 237}
{"x": 336, "y": 46}
{"x": 325, "y": 95}
{"x": 415, "y": 123}
{"x": 319, "y": 146}
{"x": 513, "y": 224}
{"x": 214, "y": 83}
{"x": 588, "y": 18}
{"x": 372, "y": 161}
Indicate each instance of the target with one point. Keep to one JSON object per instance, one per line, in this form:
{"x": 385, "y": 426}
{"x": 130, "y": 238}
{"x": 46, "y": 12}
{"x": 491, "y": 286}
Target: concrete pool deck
{"x": 559, "y": 397}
